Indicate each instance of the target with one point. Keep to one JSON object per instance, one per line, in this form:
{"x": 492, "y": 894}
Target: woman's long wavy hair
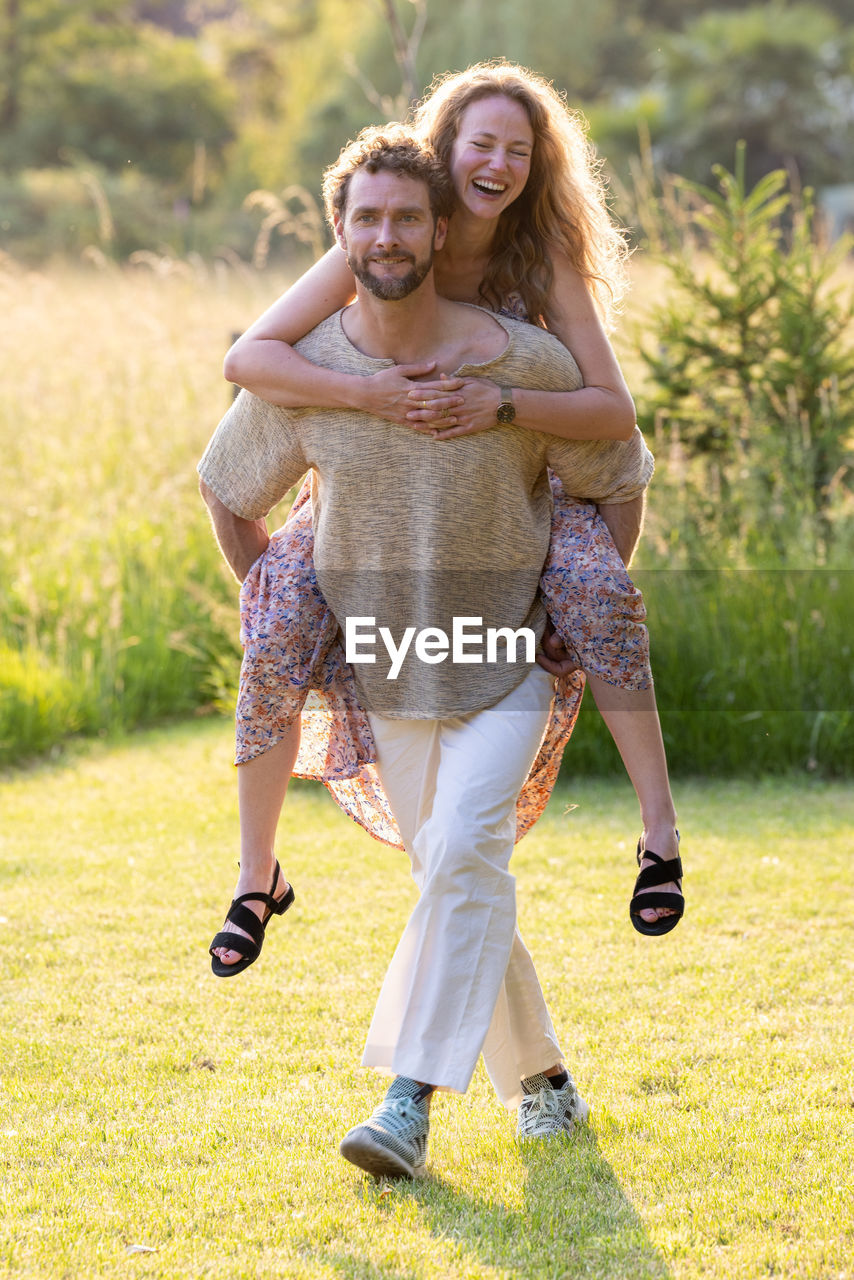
{"x": 563, "y": 206}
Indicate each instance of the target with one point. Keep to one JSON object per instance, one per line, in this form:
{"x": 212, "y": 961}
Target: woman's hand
{"x": 390, "y": 393}
{"x": 554, "y": 656}
{"x": 474, "y": 410}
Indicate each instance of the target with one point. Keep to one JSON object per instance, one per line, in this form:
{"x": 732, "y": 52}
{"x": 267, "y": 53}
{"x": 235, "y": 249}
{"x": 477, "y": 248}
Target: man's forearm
{"x": 625, "y": 522}
{"x": 240, "y": 541}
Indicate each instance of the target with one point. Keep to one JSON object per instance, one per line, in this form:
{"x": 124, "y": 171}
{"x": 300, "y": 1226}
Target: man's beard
{"x": 387, "y": 288}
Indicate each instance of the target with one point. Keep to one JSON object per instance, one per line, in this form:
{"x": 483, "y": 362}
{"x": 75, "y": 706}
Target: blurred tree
{"x": 91, "y": 78}
{"x": 147, "y": 106}
{"x": 193, "y": 17}
{"x": 779, "y": 76}
{"x": 568, "y": 41}
{"x": 10, "y": 110}
{"x": 318, "y": 104}
{"x": 753, "y": 371}
{"x": 263, "y": 93}
{"x": 362, "y": 80}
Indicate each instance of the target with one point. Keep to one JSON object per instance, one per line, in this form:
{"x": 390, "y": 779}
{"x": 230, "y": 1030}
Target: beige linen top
{"x": 413, "y": 532}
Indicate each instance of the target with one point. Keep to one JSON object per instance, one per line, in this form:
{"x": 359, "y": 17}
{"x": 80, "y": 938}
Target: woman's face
{"x": 491, "y": 156}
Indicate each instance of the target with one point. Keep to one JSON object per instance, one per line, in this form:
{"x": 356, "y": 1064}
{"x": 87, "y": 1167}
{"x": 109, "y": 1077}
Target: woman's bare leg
{"x": 261, "y": 787}
{"x": 632, "y": 718}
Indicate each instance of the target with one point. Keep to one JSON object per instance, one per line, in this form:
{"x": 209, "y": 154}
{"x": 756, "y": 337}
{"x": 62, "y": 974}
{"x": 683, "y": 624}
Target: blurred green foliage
{"x": 754, "y": 671}
{"x": 778, "y": 76}
{"x": 751, "y": 372}
{"x": 187, "y": 106}
{"x": 90, "y": 78}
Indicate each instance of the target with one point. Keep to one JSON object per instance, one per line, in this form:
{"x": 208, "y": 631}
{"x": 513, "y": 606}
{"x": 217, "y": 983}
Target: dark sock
{"x": 403, "y": 1087}
{"x": 533, "y": 1084}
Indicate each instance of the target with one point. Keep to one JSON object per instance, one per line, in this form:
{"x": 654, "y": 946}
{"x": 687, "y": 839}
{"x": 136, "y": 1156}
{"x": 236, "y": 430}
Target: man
{"x": 429, "y": 557}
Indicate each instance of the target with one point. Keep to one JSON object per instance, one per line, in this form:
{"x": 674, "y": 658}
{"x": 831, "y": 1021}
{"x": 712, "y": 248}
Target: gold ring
{"x": 444, "y": 413}
{"x": 424, "y": 404}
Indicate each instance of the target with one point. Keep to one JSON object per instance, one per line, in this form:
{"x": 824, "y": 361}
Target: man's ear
{"x": 338, "y": 228}
{"x": 441, "y": 232}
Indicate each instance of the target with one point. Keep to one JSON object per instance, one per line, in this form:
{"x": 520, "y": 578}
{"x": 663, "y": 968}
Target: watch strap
{"x": 506, "y": 411}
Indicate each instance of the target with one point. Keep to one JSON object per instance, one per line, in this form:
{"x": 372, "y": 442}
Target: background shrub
{"x": 750, "y": 364}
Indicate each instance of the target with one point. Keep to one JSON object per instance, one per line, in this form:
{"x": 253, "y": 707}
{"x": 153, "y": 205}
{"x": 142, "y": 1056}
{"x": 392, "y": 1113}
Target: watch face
{"x": 506, "y": 411}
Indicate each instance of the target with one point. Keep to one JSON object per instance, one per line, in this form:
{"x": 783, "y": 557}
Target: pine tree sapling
{"x": 753, "y": 371}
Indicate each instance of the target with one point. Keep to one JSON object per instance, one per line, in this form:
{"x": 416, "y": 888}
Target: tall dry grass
{"x": 116, "y": 609}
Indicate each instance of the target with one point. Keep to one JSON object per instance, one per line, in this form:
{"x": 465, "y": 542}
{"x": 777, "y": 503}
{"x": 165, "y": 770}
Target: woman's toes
{"x": 651, "y": 914}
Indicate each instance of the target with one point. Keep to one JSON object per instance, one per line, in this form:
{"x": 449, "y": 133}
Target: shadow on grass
{"x": 575, "y": 1221}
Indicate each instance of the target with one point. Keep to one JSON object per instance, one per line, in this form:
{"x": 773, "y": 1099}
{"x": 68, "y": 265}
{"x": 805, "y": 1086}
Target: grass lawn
{"x": 155, "y": 1122}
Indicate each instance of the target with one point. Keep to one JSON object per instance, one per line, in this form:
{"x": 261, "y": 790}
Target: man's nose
{"x": 387, "y": 233}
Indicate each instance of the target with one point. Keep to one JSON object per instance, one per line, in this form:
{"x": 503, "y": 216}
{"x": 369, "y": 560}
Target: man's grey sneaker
{"x": 546, "y": 1112}
{"x": 393, "y": 1142}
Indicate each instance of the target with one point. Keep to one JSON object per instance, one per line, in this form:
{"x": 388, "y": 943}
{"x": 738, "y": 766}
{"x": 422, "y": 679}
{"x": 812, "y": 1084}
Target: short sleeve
{"x": 602, "y": 470}
{"x": 254, "y": 457}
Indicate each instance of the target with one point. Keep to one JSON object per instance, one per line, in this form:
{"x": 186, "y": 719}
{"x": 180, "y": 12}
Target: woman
{"x": 531, "y": 236}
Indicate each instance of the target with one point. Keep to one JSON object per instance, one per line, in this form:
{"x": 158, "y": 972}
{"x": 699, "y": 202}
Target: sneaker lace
{"x": 397, "y": 1114}
{"x": 541, "y": 1105}
{"x": 546, "y": 1111}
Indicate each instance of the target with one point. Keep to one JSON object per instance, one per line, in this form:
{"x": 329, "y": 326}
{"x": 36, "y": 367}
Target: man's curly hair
{"x": 388, "y": 148}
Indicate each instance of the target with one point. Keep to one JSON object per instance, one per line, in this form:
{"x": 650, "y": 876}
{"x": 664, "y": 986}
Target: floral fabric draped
{"x": 293, "y": 664}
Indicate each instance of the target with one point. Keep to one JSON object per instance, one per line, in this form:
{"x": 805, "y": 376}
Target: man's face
{"x": 388, "y": 233}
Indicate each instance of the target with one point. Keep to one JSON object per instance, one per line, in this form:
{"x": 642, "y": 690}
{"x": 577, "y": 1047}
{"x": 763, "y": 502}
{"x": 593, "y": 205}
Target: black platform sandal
{"x": 249, "y": 948}
{"x": 661, "y": 872}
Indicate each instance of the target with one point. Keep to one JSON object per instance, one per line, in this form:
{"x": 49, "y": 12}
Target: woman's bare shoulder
{"x": 569, "y": 294}
{"x": 325, "y": 288}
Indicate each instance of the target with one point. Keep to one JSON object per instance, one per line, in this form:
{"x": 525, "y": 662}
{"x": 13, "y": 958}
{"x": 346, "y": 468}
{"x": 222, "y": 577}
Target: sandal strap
{"x": 661, "y": 872}
{"x": 235, "y": 942}
{"x": 248, "y": 921}
{"x": 277, "y": 906}
{"x": 641, "y": 852}
{"x": 643, "y": 900}
{"x": 245, "y": 919}
{"x": 267, "y": 898}
{"x": 283, "y": 903}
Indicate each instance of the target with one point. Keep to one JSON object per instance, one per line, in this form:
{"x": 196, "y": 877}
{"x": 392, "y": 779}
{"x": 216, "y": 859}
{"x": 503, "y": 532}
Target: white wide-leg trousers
{"x": 461, "y": 981}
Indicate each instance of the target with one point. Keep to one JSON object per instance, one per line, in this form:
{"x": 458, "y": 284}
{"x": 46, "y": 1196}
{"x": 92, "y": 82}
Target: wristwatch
{"x": 506, "y": 411}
